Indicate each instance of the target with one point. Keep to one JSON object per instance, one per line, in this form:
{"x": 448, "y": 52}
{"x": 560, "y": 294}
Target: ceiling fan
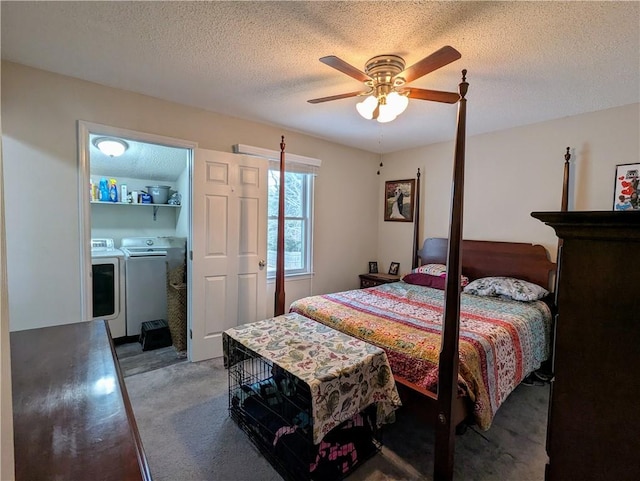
{"x": 385, "y": 77}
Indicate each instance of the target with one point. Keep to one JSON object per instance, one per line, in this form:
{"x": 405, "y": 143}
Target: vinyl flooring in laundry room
{"x": 133, "y": 360}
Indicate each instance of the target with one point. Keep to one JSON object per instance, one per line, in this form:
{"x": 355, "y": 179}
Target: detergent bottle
{"x": 104, "y": 190}
{"x": 113, "y": 190}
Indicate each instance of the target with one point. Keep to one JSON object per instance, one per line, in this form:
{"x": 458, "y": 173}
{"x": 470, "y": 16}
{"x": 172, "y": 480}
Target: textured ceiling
{"x": 141, "y": 160}
{"x": 527, "y": 61}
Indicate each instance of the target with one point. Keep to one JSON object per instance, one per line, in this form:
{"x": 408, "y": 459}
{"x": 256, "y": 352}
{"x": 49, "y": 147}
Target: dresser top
{"x": 610, "y": 225}
{"x": 72, "y": 416}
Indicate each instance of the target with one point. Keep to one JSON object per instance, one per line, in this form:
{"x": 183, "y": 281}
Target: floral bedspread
{"x": 344, "y": 374}
{"x": 501, "y": 341}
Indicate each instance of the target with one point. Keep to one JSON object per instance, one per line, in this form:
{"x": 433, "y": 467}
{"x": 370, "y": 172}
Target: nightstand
{"x": 370, "y": 280}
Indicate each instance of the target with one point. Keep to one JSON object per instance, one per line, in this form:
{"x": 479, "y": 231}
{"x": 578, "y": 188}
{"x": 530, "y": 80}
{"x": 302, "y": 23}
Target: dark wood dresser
{"x": 371, "y": 280}
{"x": 71, "y": 412}
{"x": 593, "y": 431}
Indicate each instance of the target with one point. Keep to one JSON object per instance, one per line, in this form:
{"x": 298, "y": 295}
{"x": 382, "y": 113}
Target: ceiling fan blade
{"x": 434, "y": 95}
{"x": 344, "y": 67}
{"x": 335, "y": 97}
{"x": 438, "y": 59}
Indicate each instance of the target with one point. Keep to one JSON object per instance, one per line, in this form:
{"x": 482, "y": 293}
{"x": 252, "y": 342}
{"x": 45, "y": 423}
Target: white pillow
{"x": 509, "y": 287}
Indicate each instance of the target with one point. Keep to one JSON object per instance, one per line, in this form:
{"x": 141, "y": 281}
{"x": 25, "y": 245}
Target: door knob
{"x": 262, "y": 263}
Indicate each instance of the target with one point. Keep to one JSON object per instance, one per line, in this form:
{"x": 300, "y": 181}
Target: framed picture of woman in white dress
{"x": 398, "y": 200}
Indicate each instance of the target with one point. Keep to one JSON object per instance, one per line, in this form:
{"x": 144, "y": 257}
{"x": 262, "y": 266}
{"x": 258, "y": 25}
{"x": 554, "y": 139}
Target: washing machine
{"x": 108, "y": 285}
{"x": 146, "y": 280}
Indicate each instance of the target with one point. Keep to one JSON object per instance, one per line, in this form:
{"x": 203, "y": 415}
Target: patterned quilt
{"x": 501, "y": 341}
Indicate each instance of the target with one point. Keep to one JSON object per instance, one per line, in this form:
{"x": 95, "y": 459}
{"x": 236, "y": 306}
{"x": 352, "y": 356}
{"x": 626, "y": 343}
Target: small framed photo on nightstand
{"x": 394, "y": 268}
{"x": 373, "y": 267}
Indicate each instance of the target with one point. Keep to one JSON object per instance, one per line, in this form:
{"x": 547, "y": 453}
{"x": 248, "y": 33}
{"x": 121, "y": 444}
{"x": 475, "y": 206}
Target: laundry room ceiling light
{"x": 110, "y": 146}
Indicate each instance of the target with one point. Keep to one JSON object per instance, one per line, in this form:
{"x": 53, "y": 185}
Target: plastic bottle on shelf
{"x": 113, "y": 190}
{"x": 104, "y": 190}
{"x": 91, "y": 194}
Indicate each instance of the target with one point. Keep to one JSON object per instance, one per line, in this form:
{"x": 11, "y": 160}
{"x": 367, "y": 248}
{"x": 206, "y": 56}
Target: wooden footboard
{"x": 423, "y": 404}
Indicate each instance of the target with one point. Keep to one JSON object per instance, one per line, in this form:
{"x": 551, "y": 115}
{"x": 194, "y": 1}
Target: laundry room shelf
{"x": 97, "y": 202}
{"x": 122, "y": 204}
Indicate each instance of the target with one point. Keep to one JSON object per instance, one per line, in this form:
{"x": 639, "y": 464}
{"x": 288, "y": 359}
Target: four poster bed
{"x": 501, "y": 340}
{"x": 462, "y": 352}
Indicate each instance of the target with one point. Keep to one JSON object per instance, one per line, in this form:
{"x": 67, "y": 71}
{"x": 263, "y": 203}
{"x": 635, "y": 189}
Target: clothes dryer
{"x": 108, "y": 285}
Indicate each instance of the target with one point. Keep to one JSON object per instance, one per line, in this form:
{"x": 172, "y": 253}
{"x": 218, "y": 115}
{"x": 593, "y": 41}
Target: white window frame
{"x": 300, "y": 164}
{"x": 307, "y": 219}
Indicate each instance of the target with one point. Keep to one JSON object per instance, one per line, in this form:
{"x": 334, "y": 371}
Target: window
{"x": 298, "y": 226}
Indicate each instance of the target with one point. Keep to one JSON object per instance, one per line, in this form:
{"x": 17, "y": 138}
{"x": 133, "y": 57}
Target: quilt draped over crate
{"x": 345, "y": 375}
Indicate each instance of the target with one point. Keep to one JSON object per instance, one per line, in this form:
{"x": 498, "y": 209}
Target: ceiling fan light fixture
{"x": 389, "y": 106}
{"x": 397, "y": 102}
{"x": 387, "y": 114}
{"x": 367, "y": 106}
{"x": 111, "y": 146}
{"x": 385, "y": 77}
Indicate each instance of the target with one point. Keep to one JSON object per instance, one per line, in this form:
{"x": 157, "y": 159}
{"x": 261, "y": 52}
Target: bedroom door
{"x": 229, "y": 247}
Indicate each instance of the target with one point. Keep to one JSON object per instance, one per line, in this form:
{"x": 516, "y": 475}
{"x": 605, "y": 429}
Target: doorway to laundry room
{"x": 138, "y": 218}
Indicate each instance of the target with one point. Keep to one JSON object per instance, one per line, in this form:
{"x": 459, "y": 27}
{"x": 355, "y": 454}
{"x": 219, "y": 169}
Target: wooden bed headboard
{"x": 529, "y": 262}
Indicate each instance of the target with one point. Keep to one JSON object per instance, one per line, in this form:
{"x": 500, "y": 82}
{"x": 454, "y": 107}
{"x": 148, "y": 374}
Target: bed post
{"x": 449, "y": 355}
{"x": 564, "y": 207}
{"x": 278, "y": 308}
{"x": 416, "y": 225}
{"x": 565, "y": 183}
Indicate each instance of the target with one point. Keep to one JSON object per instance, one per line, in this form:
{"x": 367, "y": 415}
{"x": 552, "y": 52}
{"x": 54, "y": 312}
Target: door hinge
{"x": 190, "y": 334}
{"x": 191, "y": 255}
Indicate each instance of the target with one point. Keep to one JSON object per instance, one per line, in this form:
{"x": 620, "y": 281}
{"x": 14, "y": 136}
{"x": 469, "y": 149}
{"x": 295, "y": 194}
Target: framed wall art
{"x": 398, "y": 200}
{"x": 625, "y": 192}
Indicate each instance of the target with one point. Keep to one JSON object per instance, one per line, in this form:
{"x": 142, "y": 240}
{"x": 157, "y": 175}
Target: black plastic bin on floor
{"x": 155, "y": 334}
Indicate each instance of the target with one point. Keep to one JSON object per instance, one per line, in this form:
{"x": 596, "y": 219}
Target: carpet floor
{"x": 182, "y": 415}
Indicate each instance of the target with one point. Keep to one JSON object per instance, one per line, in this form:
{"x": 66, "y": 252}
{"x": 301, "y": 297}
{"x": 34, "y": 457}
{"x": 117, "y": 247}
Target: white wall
{"x": 40, "y": 111}
{"x": 510, "y": 174}
{"x": 124, "y": 220}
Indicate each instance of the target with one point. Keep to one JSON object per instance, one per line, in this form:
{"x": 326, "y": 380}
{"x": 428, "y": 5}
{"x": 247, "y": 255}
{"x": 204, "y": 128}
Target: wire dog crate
{"x": 274, "y": 408}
